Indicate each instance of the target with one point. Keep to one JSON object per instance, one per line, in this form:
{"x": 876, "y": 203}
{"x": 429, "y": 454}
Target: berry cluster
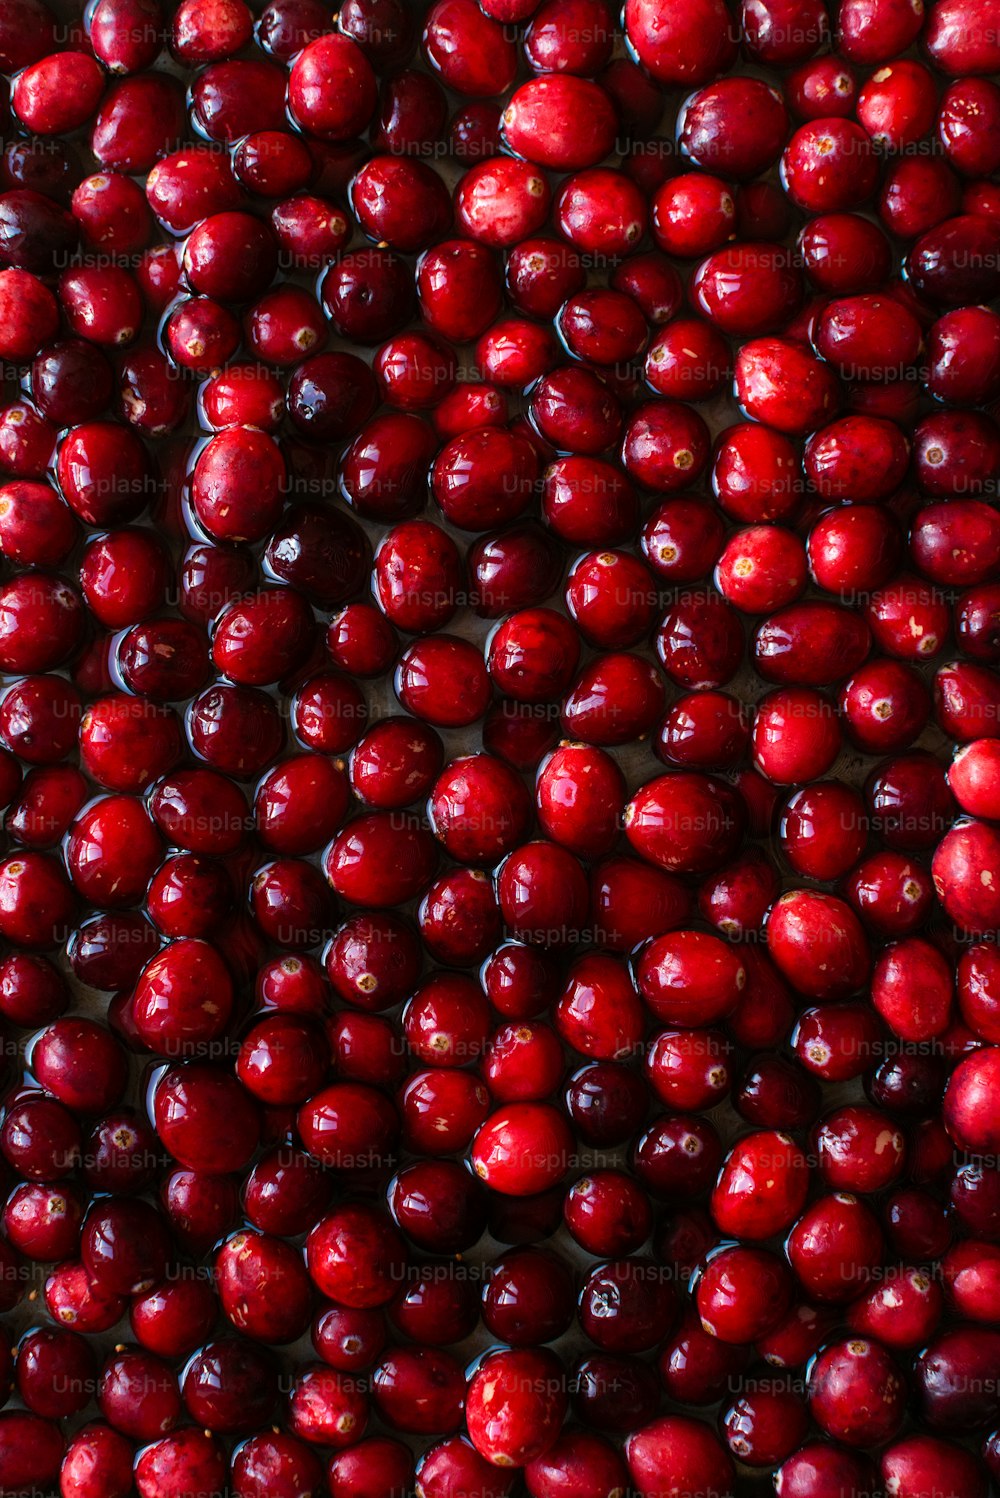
{"x": 500, "y": 749}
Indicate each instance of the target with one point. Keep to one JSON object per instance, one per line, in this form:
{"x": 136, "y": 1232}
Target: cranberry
{"x": 522, "y": 1149}
{"x": 679, "y": 46}
{"x": 331, "y": 1247}
{"x": 204, "y": 1118}
{"x": 747, "y": 290}
{"x": 859, "y": 1150}
{"x": 598, "y": 1013}
{"x": 803, "y": 920}
{"x": 545, "y": 942}
{"x": 764, "y": 1012}
{"x": 247, "y": 1263}
{"x": 696, "y": 1368}
{"x": 347, "y": 1125}
{"x": 501, "y": 201}
{"x": 27, "y": 32}
{"x": 764, "y": 1423}
{"x": 172, "y": 1318}
{"x": 384, "y": 465}
{"x": 419, "y": 1389}
{"x": 605, "y": 1102}
{"x": 58, "y": 93}
{"x": 438, "y": 1205}
{"x": 957, "y": 43}
{"x": 577, "y": 1457}
{"x": 515, "y": 1405}
{"x": 626, "y": 1305}
{"x": 781, "y": 32}
{"x": 445, "y": 1022}
{"x": 199, "y": 1206}
{"x": 36, "y": 234}
{"x": 896, "y": 106}
{"x": 953, "y": 453}
{"x": 969, "y": 901}
{"x": 32, "y": 992}
{"x": 855, "y": 1393}
{"x": 762, "y": 1186}
{"x": 915, "y": 1007}
{"x": 823, "y": 830}
{"x": 528, "y": 1297}
{"x": 40, "y": 1138}
{"x": 820, "y": 1470}
{"x": 228, "y": 1386}
{"x": 188, "y": 1456}
{"x": 795, "y": 735}
{"x": 737, "y": 898}
{"x": 575, "y": 38}
{"x": 46, "y": 165}
{"x": 458, "y": 917}
{"x": 951, "y": 264}
{"x": 828, "y": 166}
{"x": 227, "y": 503}
{"x": 32, "y": 1451}
{"x": 54, "y": 1373}
{"x": 777, "y": 382}
{"x": 601, "y": 212}
{"x": 919, "y": 1459}
{"x": 834, "y": 1247}
{"x": 951, "y": 1391}
{"x": 277, "y": 1463}
{"x": 705, "y": 127}
{"x": 960, "y": 356}
{"x": 615, "y": 1392}
{"x": 349, "y": 1339}
{"x": 772, "y": 1092}
{"x": 741, "y": 1293}
{"x": 436, "y": 1311}
{"x": 98, "y": 1460}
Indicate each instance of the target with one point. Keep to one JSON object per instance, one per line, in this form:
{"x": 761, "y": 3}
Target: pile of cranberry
{"x": 500, "y": 636}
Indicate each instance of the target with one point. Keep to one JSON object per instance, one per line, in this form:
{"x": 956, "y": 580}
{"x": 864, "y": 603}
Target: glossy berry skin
{"x": 33, "y": 1450}
{"x": 969, "y": 844}
{"x": 822, "y": 1468}
{"x": 823, "y": 830}
{"x": 560, "y": 122}
{"x": 761, "y": 1188}
{"x": 859, "y": 1151}
{"x": 124, "y": 1245}
{"x": 576, "y": 1456}
{"x": 763, "y": 1424}
{"x": 98, "y": 1460}
{"x": 681, "y": 1452}
{"x": 522, "y": 1149}
{"x": 524, "y": 791}
{"x": 653, "y": 823}
{"x": 331, "y": 1245}
{"x": 833, "y": 1247}
{"x": 644, "y": 1305}
{"x": 187, "y": 1455}
{"x": 801, "y": 918}
{"x": 855, "y": 1393}
{"x": 689, "y": 976}
{"x": 833, "y": 1042}
{"x": 773, "y": 1093}
{"x": 918, "y": 1300}
{"x": 529, "y": 1292}
{"x": 778, "y": 383}
{"x": 741, "y": 1294}
{"x": 505, "y": 1426}
{"x": 183, "y": 998}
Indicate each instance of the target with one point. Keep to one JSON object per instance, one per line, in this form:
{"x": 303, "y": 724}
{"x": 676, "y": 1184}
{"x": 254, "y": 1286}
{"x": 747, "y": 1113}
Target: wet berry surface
{"x": 500, "y": 749}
